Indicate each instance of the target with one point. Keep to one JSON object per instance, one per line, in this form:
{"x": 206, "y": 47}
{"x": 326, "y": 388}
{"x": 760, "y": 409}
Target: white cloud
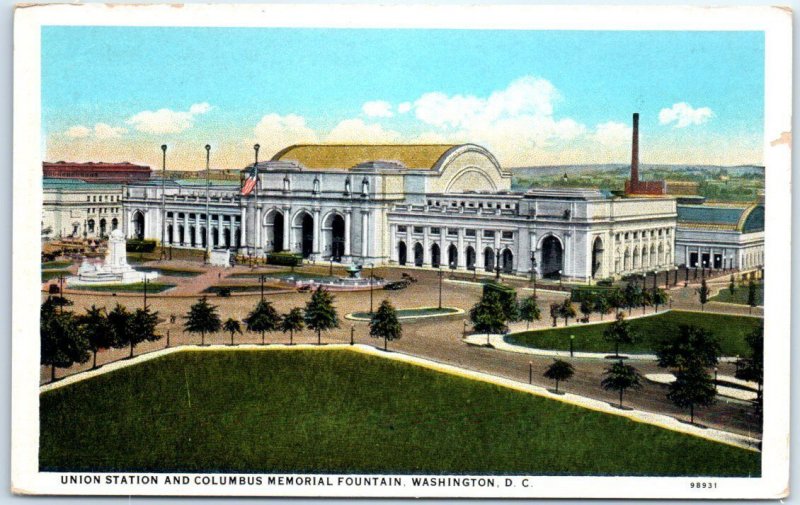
{"x": 404, "y": 107}
{"x": 683, "y": 115}
{"x": 166, "y": 120}
{"x": 106, "y": 131}
{"x": 100, "y": 131}
{"x": 78, "y": 132}
{"x": 612, "y": 134}
{"x": 377, "y": 108}
{"x": 274, "y": 132}
{"x": 357, "y": 131}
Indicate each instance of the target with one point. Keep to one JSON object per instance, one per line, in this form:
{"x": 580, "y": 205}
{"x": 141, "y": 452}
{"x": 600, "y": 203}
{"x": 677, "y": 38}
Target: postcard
{"x": 401, "y": 251}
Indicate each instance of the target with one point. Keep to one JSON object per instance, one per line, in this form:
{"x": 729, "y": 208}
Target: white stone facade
{"x": 391, "y": 208}
{"x": 76, "y": 209}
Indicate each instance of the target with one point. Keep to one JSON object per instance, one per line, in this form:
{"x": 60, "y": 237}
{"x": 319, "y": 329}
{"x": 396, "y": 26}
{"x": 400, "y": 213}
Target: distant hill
{"x": 549, "y": 170}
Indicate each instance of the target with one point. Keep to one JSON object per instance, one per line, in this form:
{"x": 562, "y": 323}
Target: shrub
{"x": 284, "y": 259}
{"x": 224, "y": 292}
{"x": 140, "y": 246}
{"x": 507, "y": 297}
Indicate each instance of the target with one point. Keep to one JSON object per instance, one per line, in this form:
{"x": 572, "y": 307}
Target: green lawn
{"x": 52, "y": 274}
{"x": 55, "y": 264}
{"x": 730, "y": 330}
{"x": 338, "y": 412}
{"x": 240, "y": 288}
{"x": 739, "y": 295}
{"x": 412, "y": 313}
{"x": 152, "y": 287}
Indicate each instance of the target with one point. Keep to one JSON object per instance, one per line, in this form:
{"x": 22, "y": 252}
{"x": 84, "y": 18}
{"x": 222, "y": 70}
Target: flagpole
{"x": 208, "y": 200}
{"x": 257, "y": 221}
{"x": 163, "y": 201}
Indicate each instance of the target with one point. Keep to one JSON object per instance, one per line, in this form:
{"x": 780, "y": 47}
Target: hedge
{"x": 284, "y": 259}
{"x": 140, "y": 246}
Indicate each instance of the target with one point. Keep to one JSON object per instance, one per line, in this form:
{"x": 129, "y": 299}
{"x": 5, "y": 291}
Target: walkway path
{"x": 660, "y": 420}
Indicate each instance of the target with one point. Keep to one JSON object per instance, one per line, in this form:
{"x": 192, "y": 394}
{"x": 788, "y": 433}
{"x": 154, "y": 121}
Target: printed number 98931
{"x": 703, "y": 485}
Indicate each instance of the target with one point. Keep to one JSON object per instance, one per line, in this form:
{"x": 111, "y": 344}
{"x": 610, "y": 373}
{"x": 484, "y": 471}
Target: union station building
{"x": 447, "y": 206}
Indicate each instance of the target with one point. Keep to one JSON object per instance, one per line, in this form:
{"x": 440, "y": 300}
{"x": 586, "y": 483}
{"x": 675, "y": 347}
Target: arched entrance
{"x": 402, "y": 253}
{"x": 488, "y": 259}
{"x": 169, "y": 234}
{"x": 180, "y": 234}
{"x": 90, "y": 226}
{"x": 436, "y": 256}
{"x": 226, "y": 237}
{"x": 337, "y": 237}
{"x": 419, "y": 254}
{"x": 214, "y": 237}
{"x": 238, "y": 238}
{"x": 203, "y": 237}
{"x": 277, "y": 231}
{"x": 306, "y": 235}
{"x": 138, "y": 225}
{"x": 508, "y": 261}
{"x": 552, "y": 257}
{"x": 114, "y": 224}
{"x": 103, "y": 227}
{"x": 452, "y": 256}
{"x": 192, "y": 240}
{"x": 470, "y": 258}
{"x": 597, "y": 258}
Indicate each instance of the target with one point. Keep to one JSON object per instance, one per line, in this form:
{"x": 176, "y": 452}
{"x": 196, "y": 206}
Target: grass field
{"x": 339, "y": 411}
{"x": 240, "y": 288}
{"x": 412, "y": 313}
{"x": 55, "y": 264}
{"x": 739, "y": 295}
{"x": 52, "y": 274}
{"x": 730, "y": 330}
{"x": 152, "y": 287}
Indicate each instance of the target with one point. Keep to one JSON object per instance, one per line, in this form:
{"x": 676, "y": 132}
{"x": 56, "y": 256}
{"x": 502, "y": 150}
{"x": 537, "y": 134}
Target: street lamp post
{"x": 497, "y": 265}
{"x": 163, "y": 254}
{"x": 560, "y": 284}
{"x": 167, "y": 338}
{"x": 464, "y": 332}
{"x": 686, "y": 279}
{"x": 530, "y": 372}
{"x": 261, "y": 279}
{"x": 208, "y": 203}
{"x": 144, "y": 294}
{"x": 655, "y": 280}
{"x": 716, "y": 386}
{"x": 533, "y": 271}
{"x": 572, "y": 346}
{"x": 371, "y": 282}
{"x": 441, "y": 274}
{"x": 352, "y": 334}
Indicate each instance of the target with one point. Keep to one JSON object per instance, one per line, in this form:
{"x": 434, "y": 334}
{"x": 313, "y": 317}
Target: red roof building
{"x": 97, "y": 172}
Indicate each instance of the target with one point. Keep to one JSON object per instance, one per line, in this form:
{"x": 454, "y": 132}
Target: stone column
{"x": 257, "y": 230}
{"x": 243, "y": 228}
{"x": 315, "y": 240}
{"x": 462, "y": 253}
{"x": 393, "y": 243}
{"x": 426, "y": 247}
{"x": 347, "y": 235}
{"x": 197, "y": 239}
{"x": 479, "y": 260}
{"x": 364, "y": 233}
{"x": 287, "y": 229}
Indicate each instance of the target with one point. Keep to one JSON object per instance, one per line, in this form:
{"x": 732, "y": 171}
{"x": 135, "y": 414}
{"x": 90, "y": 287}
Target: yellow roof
{"x": 346, "y": 156}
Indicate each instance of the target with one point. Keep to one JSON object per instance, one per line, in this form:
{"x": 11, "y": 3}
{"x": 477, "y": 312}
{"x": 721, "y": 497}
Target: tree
{"x": 692, "y": 387}
{"x": 262, "y": 318}
{"x": 616, "y": 300}
{"x": 121, "y": 323}
{"x": 732, "y": 285}
{"x": 62, "y": 342}
{"x": 703, "y": 293}
{"x": 659, "y": 297}
{"x": 320, "y": 312}
{"x": 144, "y": 327}
{"x": 751, "y": 295}
{"x": 95, "y": 327}
{"x": 632, "y": 295}
{"x": 646, "y": 299}
{"x": 587, "y": 306}
{"x": 567, "y": 310}
{"x": 202, "y": 318}
{"x": 384, "y": 323}
{"x": 232, "y": 326}
{"x": 691, "y": 346}
{"x": 621, "y": 377}
{"x": 555, "y": 312}
{"x": 559, "y": 371}
{"x": 752, "y": 368}
{"x": 619, "y": 332}
{"x": 601, "y": 305}
{"x": 487, "y": 315}
{"x": 292, "y": 321}
{"x": 529, "y": 310}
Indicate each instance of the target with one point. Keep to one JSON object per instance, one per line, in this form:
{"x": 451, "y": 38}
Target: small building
{"x": 720, "y": 236}
{"x": 73, "y": 208}
{"x": 98, "y": 172}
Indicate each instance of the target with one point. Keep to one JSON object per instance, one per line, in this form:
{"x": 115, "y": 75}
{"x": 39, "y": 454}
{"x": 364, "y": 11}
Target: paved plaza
{"x": 437, "y": 339}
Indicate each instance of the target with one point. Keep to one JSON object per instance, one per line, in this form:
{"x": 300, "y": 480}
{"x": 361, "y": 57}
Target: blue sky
{"x": 532, "y": 97}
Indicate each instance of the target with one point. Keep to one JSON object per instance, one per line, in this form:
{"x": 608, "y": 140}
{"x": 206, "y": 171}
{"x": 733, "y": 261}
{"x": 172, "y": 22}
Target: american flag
{"x": 250, "y": 182}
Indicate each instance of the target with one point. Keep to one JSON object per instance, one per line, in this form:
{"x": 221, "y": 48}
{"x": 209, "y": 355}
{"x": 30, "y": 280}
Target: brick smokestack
{"x": 635, "y": 153}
